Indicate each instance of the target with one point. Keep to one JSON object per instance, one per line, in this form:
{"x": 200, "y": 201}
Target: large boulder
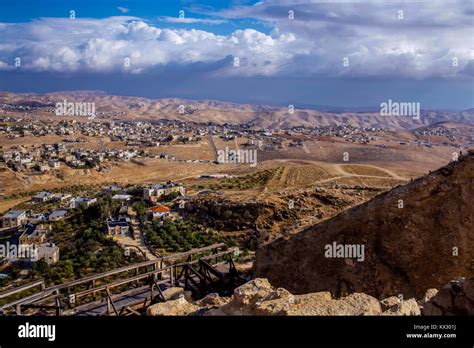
{"x": 354, "y": 304}
{"x": 408, "y": 307}
{"x": 180, "y": 306}
{"x": 173, "y": 293}
{"x": 212, "y": 300}
{"x": 390, "y": 302}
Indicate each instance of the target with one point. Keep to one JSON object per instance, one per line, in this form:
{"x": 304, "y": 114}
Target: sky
{"x": 340, "y": 53}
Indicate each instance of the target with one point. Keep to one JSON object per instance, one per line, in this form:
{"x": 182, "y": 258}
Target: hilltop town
{"x": 135, "y": 140}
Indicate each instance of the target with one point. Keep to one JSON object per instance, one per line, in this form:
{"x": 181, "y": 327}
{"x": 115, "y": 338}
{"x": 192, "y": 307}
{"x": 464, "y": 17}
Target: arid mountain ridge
{"x": 261, "y": 116}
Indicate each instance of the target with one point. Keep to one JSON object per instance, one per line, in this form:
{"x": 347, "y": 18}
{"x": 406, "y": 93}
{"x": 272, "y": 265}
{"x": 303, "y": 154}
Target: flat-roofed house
{"x": 34, "y": 234}
{"x": 110, "y": 189}
{"x": 82, "y": 201}
{"x": 155, "y": 192}
{"x": 36, "y": 218}
{"x": 57, "y": 215}
{"x": 48, "y": 252}
{"x": 122, "y": 197}
{"x": 62, "y": 197}
{"x": 55, "y": 164}
{"x": 116, "y": 227}
{"x": 14, "y": 218}
{"x": 42, "y": 197}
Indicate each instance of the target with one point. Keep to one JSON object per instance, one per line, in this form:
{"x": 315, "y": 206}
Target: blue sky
{"x": 340, "y": 53}
{"x": 150, "y": 10}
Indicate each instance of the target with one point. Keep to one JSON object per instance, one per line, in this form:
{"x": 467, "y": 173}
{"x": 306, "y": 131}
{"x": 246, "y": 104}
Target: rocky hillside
{"x": 259, "y": 297}
{"x": 414, "y": 237}
{"x": 268, "y": 217}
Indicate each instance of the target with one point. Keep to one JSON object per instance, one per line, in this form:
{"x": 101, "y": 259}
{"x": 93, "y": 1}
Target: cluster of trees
{"x": 170, "y": 197}
{"x": 135, "y": 190}
{"x": 179, "y": 235}
{"x": 83, "y": 246}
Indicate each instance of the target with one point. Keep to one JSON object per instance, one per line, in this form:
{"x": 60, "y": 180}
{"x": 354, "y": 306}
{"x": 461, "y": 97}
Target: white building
{"x": 54, "y": 164}
{"x": 57, "y": 215}
{"x": 42, "y": 197}
{"x": 14, "y": 218}
{"x": 82, "y": 201}
{"x": 155, "y": 192}
{"x": 48, "y": 252}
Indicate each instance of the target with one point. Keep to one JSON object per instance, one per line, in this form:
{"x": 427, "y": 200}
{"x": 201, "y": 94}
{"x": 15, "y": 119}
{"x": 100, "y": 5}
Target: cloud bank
{"x": 416, "y": 40}
{"x": 130, "y": 44}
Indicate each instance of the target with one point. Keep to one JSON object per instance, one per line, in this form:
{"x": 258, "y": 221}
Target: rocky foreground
{"x": 259, "y": 297}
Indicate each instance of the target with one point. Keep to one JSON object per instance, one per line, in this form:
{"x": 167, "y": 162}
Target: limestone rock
{"x": 212, "y": 300}
{"x": 258, "y": 297}
{"x": 389, "y": 303}
{"x": 429, "y": 294}
{"x": 408, "y": 307}
{"x": 251, "y": 292}
{"x": 173, "y": 293}
{"x": 179, "y": 306}
{"x": 354, "y": 304}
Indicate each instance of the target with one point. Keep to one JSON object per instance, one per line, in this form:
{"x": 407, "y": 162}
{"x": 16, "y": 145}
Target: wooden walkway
{"x": 130, "y": 289}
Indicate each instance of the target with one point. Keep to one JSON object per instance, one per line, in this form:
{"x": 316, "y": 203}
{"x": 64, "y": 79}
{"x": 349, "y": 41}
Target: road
{"x": 138, "y": 239}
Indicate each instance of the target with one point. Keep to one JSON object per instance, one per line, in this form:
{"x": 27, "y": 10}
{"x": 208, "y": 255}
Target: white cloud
{"x": 424, "y": 43}
{"x": 123, "y": 9}
{"x": 51, "y": 44}
{"x": 192, "y": 20}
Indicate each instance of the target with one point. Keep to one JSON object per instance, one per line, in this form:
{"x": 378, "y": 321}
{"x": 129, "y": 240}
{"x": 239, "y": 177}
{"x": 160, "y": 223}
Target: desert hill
{"x": 261, "y": 116}
{"x": 408, "y": 249}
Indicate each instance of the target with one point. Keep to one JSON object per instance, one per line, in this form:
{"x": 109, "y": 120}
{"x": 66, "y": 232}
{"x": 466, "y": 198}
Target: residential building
{"x": 62, "y": 197}
{"x": 14, "y": 218}
{"x": 154, "y": 193}
{"x": 57, "y": 215}
{"x": 122, "y": 197}
{"x": 119, "y": 226}
{"x": 36, "y": 218}
{"x": 42, "y": 197}
{"x": 159, "y": 212}
{"x": 48, "y": 252}
{"x": 54, "y": 164}
{"x": 110, "y": 189}
{"x": 82, "y": 201}
{"x": 43, "y": 167}
{"x": 34, "y": 234}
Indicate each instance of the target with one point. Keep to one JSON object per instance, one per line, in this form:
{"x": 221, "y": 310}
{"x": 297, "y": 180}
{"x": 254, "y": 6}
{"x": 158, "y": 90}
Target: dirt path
{"x": 388, "y": 171}
{"x": 339, "y": 169}
{"x": 138, "y": 239}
